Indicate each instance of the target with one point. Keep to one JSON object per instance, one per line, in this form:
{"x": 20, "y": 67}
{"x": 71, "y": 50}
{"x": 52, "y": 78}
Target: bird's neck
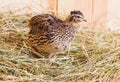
{"x": 67, "y": 20}
{"x": 72, "y": 23}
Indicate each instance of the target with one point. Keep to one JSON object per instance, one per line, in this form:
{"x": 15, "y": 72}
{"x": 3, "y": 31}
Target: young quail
{"x": 49, "y": 34}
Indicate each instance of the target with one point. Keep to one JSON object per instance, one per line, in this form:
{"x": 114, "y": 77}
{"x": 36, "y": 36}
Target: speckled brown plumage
{"x": 50, "y": 35}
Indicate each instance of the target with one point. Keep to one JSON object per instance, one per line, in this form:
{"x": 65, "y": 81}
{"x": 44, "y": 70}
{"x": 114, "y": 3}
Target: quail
{"x": 50, "y": 35}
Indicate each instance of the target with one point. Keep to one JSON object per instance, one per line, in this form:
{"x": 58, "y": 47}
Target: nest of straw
{"x": 94, "y": 56}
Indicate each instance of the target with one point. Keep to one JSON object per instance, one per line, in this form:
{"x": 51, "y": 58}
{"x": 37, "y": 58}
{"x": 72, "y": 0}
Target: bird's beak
{"x": 83, "y": 19}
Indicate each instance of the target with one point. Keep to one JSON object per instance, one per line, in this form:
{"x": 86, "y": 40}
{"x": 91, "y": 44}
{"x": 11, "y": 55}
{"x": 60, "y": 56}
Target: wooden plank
{"x": 113, "y": 14}
{"x": 53, "y": 6}
{"x": 65, "y": 6}
{"x": 84, "y": 6}
{"x": 95, "y": 11}
{"x": 99, "y": 13}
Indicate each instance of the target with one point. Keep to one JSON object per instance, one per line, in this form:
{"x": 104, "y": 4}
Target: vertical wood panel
{"x": 84, "y": 6}
{"x": 99, "y": 13}
{"x": 53, "y": 6}
{"x": 113, "y": 14}
{"x": 65, "y": 6}
{"x": 94, "y": 10}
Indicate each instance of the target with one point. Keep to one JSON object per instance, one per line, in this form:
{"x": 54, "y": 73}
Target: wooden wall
{"x": 95, "y": 11}
{"x": 113, "y": 15}
{"x": 100, "y": 13}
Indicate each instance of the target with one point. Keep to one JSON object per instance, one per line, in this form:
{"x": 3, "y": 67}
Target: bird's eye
{"x": 78, "y": 16}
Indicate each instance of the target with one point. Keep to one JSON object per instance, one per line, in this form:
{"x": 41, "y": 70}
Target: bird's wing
{"x": 41, "y": 33}
{"x": 44, "y": 18}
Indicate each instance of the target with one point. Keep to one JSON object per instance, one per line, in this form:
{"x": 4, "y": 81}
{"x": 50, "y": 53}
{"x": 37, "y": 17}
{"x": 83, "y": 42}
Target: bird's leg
{"x": 49, "y": 62}
{"x": 68, "y": 51}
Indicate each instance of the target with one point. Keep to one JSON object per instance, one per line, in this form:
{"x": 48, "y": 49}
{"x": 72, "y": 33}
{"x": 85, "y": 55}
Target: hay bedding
{"x": 94, "y": 56}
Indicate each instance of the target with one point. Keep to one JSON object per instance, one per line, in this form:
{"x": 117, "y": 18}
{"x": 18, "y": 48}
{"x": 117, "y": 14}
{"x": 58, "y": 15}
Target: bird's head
{"x": 76, "y": 17}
